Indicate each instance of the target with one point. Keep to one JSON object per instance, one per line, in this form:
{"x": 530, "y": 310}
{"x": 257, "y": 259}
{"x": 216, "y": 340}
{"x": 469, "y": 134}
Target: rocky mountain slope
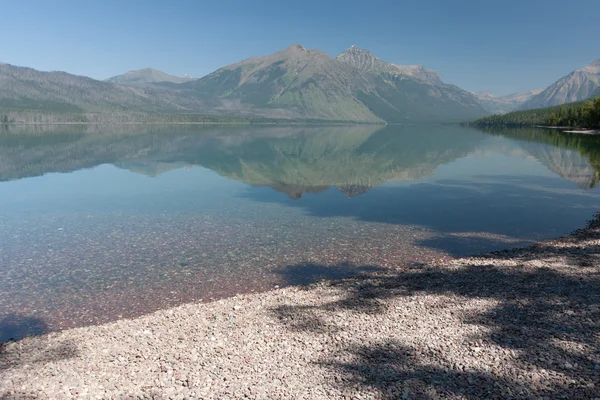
{"x": 580, "y": 84}
{"x": 302, "y": 83}
{"x": 147, "y": 75}
{"x": 365, "y": 60}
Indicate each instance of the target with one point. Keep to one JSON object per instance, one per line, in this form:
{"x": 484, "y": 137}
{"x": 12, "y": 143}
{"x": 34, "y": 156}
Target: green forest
{"x": 582, "y": 114}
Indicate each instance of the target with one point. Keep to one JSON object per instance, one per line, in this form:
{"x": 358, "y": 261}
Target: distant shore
{"x": 34, "y": 117}
{"x": 519, "y": 323}
{"x": 570, "y": 129}
{"x": 585, "y": 131}
{"x": 283, "y": 122}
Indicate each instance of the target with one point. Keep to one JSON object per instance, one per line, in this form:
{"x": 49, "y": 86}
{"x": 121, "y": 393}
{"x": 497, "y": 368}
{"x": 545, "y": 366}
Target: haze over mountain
{"x": 580, "y": 84}
{"x": 504, "y": 104}
{"x": 147, "y": 75}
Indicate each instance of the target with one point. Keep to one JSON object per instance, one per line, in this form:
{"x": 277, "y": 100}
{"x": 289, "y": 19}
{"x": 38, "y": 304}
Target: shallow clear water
{"x": 98, "y": 223}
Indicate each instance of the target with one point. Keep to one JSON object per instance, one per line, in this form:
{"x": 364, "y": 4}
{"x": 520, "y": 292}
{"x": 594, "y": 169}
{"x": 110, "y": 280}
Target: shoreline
{"x": 562, "y": 129}
{"x": 571, "y": 129}
{"x": 521, "y": 322}
{"x": 283, "y": 123}
{"x": 585, "y": 132}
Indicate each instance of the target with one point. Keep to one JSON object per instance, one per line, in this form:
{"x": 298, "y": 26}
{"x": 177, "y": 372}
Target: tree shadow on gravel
{"x": 13, "y": 354}
{"x": 549, "y": 318}
{"x": 16, "y": 326}
{"x": 462, "y": 246}
{"x": 307, "y": 318}
{"x": 302, "y": 274}
{"x": 395, "y": 371}
{"x": 22, "y": 396}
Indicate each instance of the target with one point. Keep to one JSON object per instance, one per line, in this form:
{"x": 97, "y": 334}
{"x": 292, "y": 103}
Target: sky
{"x": 503, "y": 46}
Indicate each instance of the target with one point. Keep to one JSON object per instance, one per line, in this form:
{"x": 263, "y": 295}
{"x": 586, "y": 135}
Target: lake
{"x": 105, "y": 222}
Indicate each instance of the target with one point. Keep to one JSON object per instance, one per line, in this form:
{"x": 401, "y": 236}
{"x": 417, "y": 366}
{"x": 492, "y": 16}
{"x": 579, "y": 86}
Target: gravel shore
{"x": 521, "y": 323}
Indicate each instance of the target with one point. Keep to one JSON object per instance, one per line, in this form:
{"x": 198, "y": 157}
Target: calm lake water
{"x": 99, "y": 223}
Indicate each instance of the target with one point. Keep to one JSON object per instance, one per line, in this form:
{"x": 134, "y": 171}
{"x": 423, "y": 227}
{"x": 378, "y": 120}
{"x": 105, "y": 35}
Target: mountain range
{"x": 302, "y": 83}
{"x": 504, "y": 104}
{"x": 24, "y": 88}
{"x": 580, "y": 84}
{"x": 295, "y": 83}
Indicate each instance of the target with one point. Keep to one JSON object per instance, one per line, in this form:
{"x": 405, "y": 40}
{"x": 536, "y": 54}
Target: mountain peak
{"x": 355, "y": 50}
{"x": 359, "y": 58}
{"x": 593, "y": 68}
{"x": 146, "y": 75}
{"x": 364, "y": 59}
{"x": 295, "y": 48}
{"x": 485, "y": 94}
{"x": 580, "y": 84}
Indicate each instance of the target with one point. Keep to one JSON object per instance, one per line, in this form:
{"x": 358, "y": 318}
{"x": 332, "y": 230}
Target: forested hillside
{"x": 582, "y": 114}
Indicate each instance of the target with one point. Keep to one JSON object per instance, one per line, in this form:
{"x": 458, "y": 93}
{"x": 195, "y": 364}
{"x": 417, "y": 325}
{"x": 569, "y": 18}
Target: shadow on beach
{"x": 547, "y": 313}
{"x": 15, "y": 327}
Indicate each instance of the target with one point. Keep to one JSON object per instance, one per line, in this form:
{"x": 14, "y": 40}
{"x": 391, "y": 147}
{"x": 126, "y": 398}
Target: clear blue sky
{"x": 504, "y": 46}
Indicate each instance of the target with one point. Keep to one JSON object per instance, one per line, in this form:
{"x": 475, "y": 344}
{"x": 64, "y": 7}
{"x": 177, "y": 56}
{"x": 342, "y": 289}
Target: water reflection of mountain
{"x": 573, "y": 157}
{"x": 294, "y": 160}
{"x": 350, "y": 159}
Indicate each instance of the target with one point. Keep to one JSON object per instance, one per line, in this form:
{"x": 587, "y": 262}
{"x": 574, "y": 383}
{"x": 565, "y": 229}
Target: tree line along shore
{"x": 580, "y": 115}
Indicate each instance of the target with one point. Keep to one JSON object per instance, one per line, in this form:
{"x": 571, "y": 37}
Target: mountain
{"x": 580, "y": 84}
{"x": 294, "y": 83}
{"x": 147, "y": 75}
{"x": 301, "y": 83}
{"x": 365, "y": 60}
{"x": 28, "y": 89}
{"x": 504, "y": 104}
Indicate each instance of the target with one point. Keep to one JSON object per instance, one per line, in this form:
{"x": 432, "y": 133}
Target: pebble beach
{"x": 520, "y": 323}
